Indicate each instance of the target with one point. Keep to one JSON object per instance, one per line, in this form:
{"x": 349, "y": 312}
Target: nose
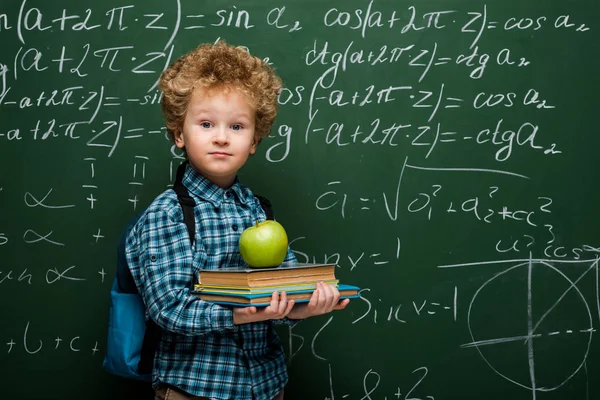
{"x": 221, "y": 136}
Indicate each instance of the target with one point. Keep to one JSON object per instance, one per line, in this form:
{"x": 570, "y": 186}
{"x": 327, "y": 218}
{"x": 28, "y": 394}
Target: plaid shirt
{"x": 201, "y": 351}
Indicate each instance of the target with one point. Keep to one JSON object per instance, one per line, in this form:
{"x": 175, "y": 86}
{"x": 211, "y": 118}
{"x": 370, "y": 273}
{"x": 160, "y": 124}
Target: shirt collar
{"x": 201, "y": 187}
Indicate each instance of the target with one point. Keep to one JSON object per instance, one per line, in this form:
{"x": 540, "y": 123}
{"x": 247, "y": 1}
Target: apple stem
{"x": 257, "y": 223}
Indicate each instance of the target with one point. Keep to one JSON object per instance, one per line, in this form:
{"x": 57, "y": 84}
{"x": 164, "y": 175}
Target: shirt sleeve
{"x": 290, "y": 258}
{"x": 160, "y": 258}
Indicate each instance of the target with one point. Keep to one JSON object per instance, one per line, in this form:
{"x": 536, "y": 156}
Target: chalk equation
{"x": 33, "y": 341}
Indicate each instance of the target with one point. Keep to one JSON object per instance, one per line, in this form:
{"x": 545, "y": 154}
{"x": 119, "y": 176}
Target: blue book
{"x": 263, "y": 300}
{"x": 291, "y": 287}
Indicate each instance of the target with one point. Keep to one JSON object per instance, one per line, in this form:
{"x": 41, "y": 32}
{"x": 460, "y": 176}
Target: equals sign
{"x": 133, "y": 136}
{"x": 449, "y": 139}
{"x": 454, "y": 99}
{"x": 365, "y": 201}
{"x": 111, "y": 98}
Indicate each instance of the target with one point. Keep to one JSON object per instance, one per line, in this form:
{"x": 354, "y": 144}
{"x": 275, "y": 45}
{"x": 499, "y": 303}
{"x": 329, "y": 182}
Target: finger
{"x": 283, "y": 304}
{"x": 289, "y": 308}
{"x": 278, "y": 306}
{"x": 342, "y": 304}
{"x": 326, "y": 301}
{"x": 336, "y": 298}
{"x": 323, "y": 298}
{"x": 273, "y": 304}
{"x": 332, "y": 296}
{"x": 314, "y": 298}
{"x": 285, "y": 311}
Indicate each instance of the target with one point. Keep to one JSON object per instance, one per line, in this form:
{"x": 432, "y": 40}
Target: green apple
{"x": 264, "y": 244}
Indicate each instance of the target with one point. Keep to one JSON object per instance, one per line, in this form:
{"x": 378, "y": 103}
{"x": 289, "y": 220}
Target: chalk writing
{"x": 412, "y": 142}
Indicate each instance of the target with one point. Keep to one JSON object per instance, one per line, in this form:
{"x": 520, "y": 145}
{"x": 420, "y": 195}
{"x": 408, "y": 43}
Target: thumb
{"x": 342, "y": 304}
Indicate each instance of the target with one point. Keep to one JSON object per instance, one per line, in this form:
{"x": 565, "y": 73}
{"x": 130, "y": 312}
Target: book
{"x": 259, "y": 277}
{"x": 230, "y": 289}
{"x": 260, "y": 300}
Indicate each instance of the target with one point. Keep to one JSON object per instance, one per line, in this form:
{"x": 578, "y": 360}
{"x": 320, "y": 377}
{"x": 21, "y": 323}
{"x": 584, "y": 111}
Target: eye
{"x": 237, "y": 127}
{"x": 205, "y": 124}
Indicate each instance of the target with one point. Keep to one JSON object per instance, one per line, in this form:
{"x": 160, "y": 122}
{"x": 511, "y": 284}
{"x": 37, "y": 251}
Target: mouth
{"x": 219, "y": 154}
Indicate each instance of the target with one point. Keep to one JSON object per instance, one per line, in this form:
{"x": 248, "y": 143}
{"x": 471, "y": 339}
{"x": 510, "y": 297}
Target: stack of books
{"x": 245, "y": 287}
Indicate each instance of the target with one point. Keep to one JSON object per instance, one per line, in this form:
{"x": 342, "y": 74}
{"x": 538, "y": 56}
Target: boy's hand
{"x": 279, "y": 308}
{"x": 325, "y": 298}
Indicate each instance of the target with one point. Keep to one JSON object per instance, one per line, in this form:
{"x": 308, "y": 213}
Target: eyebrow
{"x": 236, "y": 115}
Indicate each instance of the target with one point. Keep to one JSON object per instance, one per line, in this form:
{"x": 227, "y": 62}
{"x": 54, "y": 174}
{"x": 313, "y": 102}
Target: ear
{"x": 178, "y": 137}
{"x": 253, "y": 146}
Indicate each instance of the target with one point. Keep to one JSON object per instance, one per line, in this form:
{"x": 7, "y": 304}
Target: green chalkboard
{"x": 443, "y": 153}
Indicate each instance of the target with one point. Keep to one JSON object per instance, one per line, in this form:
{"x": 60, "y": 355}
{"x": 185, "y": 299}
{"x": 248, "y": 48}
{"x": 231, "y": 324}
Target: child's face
{"x": 218, "y": 134}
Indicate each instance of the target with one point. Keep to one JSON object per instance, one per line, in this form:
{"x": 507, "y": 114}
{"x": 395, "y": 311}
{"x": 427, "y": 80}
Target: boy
{"x": 218, "y": 102}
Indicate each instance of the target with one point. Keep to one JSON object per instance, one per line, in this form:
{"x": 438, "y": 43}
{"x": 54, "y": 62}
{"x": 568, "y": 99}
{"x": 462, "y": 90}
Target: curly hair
{"x": 220, "y": 66}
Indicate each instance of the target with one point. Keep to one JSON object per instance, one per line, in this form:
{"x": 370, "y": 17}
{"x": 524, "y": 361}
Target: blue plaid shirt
{"x": 201, "y": 351}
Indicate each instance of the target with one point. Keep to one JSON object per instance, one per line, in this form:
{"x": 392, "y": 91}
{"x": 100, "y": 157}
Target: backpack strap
{"x": 266, "y": 206}
{"x": 186, "y": 201}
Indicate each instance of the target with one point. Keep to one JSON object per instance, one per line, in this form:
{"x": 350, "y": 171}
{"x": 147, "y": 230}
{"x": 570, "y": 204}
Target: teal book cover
{"x": 262, "y": 300}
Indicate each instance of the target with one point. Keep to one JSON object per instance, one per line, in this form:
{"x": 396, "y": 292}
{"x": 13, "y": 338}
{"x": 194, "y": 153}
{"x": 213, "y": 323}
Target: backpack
{"x": 132, "y": 341}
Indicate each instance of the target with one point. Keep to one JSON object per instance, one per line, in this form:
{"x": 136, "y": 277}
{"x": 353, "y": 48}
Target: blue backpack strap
{"x": 153, "y": 331}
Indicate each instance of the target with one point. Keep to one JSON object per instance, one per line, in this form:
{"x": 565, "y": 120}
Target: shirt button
{"x": 153, "y": 258}
{"x": 234, "y": 227}
{"x": 228, "y": 194}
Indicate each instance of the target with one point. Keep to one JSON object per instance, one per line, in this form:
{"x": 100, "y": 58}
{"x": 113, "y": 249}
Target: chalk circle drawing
{"x": 536, "y": 370}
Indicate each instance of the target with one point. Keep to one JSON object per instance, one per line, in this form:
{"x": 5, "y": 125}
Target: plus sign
{"x": 102, "y": 273}
{"x": 134, "y": 201}
{"x": 10, "y": 345}
{"x": 398, "y": 394}
{"x": 57, "y": 340}
{"x": 92, "y": 200}
{"x": 505, "y": 213}
{"x": 98, "y": 236}
{"x": 95, "y": 349}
